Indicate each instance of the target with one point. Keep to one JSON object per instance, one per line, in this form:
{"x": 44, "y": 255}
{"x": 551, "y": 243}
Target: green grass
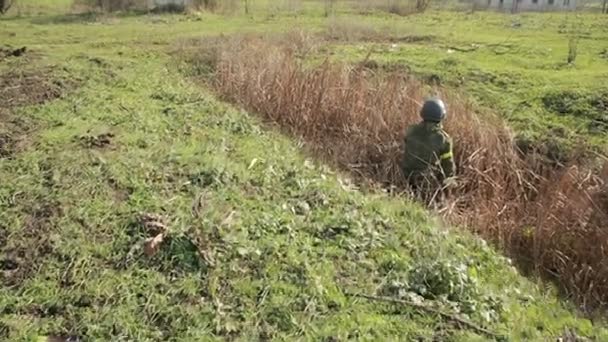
{"x": 282, "y": 237}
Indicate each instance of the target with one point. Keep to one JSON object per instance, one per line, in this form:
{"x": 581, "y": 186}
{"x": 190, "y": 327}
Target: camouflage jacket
{"x": 428, "y": 148}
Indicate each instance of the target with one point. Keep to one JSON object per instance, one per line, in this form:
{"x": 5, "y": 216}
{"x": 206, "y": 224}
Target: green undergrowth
{"x": 263, "y": 242}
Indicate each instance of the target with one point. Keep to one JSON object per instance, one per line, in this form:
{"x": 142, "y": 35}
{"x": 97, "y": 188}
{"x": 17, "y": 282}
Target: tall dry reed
{"x": 552, "y": 218}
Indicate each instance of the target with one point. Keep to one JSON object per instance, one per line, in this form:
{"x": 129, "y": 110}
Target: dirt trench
{"x": 539, "y": 211}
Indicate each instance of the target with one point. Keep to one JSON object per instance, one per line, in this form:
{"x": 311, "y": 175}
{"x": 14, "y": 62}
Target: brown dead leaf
{"x": 154, "y": 223}
{"x": 149, "y": 217}
{"x": 156, "y": 227}
{"x": 152, "y": 245}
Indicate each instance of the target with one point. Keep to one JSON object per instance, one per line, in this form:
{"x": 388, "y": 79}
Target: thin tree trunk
{"x": 5, "y": 5}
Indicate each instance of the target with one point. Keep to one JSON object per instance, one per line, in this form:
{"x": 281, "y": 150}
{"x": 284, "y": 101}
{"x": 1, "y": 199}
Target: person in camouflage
{"x": 428, "y": 161}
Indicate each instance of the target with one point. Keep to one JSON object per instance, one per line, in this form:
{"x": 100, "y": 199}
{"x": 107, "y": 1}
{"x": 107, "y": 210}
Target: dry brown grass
{"x": 548, "y": 217}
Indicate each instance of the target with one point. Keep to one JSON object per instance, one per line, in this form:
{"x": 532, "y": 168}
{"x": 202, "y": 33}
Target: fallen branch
{"x": 464, "y": 49}
{"x": 445, "y": 315}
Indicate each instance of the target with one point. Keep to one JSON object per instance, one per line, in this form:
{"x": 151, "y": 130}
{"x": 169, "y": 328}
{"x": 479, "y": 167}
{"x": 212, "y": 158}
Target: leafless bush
{"x": 205, "y": 4}
{"x": 549, "y": 217}
{"x": 399, "y": 7}
{"x": 113, "y": 5}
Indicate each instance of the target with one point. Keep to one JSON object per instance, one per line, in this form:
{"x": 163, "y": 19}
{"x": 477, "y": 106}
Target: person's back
{"x": 426, "y": 144}
{"x": 428, "y": 148}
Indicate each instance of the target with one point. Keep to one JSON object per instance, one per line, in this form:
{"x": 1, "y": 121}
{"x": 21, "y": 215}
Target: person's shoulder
{"x": 415, "y": 125}
{"x": 445, "y": 136}
{"x": 411, "y": 129}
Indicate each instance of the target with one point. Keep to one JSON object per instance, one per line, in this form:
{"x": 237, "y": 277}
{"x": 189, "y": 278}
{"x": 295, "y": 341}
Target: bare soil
{"x": 24, "y": 88}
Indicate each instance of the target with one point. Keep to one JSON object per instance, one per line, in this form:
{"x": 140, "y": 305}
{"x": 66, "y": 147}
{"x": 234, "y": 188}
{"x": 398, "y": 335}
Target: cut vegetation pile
{"x": 546, "y": 215}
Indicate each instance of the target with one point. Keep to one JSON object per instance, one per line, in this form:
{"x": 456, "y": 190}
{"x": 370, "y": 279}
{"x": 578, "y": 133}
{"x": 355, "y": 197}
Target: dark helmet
{"x": 433, "y": 110}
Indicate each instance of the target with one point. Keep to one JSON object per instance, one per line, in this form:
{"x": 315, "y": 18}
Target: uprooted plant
{"x": 547, "y": 215}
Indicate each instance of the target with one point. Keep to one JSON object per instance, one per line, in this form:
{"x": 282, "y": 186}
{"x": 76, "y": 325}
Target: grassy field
{"x": 262, "y": 242}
